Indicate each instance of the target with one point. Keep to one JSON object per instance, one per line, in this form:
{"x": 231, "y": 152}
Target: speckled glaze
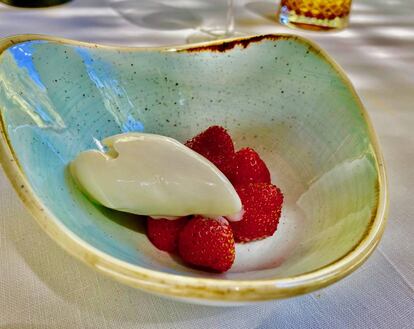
{"x": 280, "y": 94}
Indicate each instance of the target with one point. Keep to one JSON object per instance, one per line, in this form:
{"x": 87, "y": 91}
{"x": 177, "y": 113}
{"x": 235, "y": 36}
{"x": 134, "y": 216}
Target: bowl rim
{"x": 187, "y": 287}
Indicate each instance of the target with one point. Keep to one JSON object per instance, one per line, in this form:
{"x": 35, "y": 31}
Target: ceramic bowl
{"x": 280, "y": 94}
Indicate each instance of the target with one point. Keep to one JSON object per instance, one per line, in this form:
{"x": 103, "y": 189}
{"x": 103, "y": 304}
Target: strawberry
{"x": 207, "y": 243}
{"x": 163, "y": 233}
{"x": 262, "y": 204}
{"x": 215, "y": 144}
{"x": 248, "y": 167}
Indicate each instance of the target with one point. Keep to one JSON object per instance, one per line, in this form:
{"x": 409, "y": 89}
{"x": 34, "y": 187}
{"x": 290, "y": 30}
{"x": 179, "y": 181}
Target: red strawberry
{"x": 163, "y": 233}
{"x": 207, "y": 243}
{"x": 262, "y": 204}
{"x": 248, "y": 167}
{"x": 215, "y": 144}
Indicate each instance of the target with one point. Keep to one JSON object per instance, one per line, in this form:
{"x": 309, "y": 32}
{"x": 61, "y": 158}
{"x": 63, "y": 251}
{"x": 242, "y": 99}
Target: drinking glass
{"x": 315, "y": 14}
{"x": 217, "y": 23}
{"x": 33, "y": 3}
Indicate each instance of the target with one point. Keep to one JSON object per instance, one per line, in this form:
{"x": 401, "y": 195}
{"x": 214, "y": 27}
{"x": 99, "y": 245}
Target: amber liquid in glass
{"x": 315, "y": 14}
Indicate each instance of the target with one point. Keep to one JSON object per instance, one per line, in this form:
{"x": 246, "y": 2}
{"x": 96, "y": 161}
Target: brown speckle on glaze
{"x": 228, "y": 45}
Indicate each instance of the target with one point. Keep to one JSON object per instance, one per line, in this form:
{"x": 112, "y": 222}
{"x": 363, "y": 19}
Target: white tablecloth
{"x": 43, "y": 287}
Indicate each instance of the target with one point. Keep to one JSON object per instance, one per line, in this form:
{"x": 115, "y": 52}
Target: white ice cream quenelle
{"x": 155, "y": 175}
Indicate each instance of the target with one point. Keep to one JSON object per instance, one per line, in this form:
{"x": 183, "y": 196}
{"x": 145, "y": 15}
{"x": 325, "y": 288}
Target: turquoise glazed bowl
{"x": 280, "y": 94}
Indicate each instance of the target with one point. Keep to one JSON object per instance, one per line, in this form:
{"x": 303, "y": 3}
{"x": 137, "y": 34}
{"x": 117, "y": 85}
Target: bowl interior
{"x": 279, "y": 96}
